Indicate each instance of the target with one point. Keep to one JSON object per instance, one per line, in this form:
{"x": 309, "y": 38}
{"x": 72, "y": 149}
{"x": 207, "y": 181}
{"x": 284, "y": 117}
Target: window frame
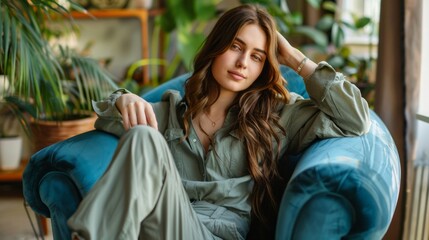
{"x": 423, "y": 109}
{"x": 369, "y": 8}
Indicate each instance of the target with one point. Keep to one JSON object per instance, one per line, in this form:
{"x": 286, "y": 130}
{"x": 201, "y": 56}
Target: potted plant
{"x": 10, "y": 139}
{"x": 43, "y": 89}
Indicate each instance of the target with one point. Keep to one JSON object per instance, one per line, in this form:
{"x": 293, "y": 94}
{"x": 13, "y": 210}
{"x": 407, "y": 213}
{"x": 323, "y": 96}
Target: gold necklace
{"x": 203, "y": 131}
{"x": 213, "y": 122}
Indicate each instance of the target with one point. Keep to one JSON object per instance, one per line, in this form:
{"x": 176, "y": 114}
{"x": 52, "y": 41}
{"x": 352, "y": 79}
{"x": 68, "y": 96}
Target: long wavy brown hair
{"x": 257, "y": 122}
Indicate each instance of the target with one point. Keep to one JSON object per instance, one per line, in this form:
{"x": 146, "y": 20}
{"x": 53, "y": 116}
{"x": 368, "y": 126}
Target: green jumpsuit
{"x": 160, "y": 187}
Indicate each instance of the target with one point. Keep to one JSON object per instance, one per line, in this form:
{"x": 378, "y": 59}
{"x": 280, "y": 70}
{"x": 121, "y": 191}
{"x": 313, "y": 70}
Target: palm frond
{"x": 36, "y": 73}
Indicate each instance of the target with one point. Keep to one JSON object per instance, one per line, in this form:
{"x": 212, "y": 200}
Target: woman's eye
{"x": 235, "y": 47}
{"x": 257, "y": 58}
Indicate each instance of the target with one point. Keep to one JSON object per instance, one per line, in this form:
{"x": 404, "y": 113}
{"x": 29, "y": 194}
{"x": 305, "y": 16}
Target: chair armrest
{"x": 82, "y": 159}
{"x": 360, "y": 175}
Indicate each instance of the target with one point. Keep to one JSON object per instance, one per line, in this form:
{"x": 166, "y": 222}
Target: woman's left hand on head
{"x": 293, "y": 57}
{"x": 284, "y": 49}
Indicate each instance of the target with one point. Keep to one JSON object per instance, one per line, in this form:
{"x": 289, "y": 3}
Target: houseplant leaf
{"x": 337, "y": 35}
{"x": 362, "y": 22}
{"x": 35, "y": 71}
{"x": 314, "y": 34}
{"x": 325, "y": 23}
{"x": 205, "y": 9}
{"x": 336, "y": 61}
{"x": 329, "y": 6}
{"x": 188, "y": 46}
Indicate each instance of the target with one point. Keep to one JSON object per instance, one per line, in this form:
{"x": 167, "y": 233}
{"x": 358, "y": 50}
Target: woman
{"x": 211, "y": 168}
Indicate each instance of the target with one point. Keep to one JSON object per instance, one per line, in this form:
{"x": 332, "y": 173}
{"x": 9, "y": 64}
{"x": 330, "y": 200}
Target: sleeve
{"x": 110, "y": 119}
{"x": 335, "y": 108}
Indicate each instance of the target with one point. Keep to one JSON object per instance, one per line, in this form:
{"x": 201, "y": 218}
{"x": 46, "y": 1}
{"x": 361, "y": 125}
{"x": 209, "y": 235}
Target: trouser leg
{"x": 141, "y": 186}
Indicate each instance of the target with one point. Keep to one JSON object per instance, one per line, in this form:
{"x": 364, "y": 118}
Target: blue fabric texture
{"x": 364, "y": 171}
{"x": 340, "y": 187}
{"x": 327, "y": 214}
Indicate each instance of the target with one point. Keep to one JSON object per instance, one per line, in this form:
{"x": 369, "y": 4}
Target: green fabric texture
{"x": 220, "y": 176}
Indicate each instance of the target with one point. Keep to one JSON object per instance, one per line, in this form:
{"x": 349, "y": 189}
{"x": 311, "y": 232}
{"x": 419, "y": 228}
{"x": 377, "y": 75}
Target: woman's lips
{"x": 236, "y": 75}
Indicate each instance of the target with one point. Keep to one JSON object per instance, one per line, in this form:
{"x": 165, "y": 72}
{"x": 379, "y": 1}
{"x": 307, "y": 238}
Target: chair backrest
{"x": 295, "y": 83}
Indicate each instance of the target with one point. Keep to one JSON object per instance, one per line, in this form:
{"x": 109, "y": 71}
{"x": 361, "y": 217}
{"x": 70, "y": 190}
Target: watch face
{"x": 105, "y": 4}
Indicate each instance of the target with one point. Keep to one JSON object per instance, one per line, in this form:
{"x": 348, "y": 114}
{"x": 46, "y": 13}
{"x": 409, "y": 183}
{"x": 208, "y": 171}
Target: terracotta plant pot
{"x": 46, "y": 133}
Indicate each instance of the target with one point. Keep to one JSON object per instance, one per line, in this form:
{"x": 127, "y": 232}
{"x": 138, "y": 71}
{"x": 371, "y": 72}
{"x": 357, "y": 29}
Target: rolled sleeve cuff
{"x": 318, "y": 82}
{"x": 107, "y": 108}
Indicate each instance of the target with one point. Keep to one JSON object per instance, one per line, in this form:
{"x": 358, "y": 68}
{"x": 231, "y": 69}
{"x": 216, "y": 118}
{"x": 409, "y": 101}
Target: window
{"x": 423, "y": 112}
{"x": 359, "y": 8}
{"x": 418, "y": 218}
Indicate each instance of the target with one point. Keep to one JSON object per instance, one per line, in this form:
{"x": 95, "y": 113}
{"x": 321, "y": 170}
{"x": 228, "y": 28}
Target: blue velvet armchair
{"x": 340, "y": 188}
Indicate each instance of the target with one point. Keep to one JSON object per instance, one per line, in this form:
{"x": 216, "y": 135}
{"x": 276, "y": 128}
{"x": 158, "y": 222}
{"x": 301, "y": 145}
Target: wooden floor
{"x": 14, "y": 221}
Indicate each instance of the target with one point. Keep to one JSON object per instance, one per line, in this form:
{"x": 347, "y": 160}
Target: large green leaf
{"x": 188, "y": 46}
{"x": 296, "y": 18}
{"x": 181, "y": 14}
{"x": 336, "y": 61}
{"x": 187, "y": 20}
{"x": 167, "y": 21}
{"x": 205, "y": 9}
{"x": 330, "y": 6}
{"x": 178, "y": 13}
{"x": 362, "y": 22}
{"x": 345, "y": 52}
{"x": 316, "y": 35}
{"x": 325, "y": 23}
{"x": 337, "y": 35}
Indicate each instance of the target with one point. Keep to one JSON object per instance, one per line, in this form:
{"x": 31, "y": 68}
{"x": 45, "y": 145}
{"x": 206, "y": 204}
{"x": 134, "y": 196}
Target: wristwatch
{"x": 109, "y": 4}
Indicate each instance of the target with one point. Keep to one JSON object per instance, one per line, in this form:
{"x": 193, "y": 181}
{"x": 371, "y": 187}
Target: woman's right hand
{"x": 135, "y": 111}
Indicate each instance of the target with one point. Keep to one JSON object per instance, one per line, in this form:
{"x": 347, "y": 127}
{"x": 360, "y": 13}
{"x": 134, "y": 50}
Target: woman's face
{"x": 240, "y": 65}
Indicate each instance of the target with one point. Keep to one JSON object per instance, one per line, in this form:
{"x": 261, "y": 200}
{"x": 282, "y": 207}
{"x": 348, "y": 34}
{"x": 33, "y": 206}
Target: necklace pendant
{"x": 213, "y": 124}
